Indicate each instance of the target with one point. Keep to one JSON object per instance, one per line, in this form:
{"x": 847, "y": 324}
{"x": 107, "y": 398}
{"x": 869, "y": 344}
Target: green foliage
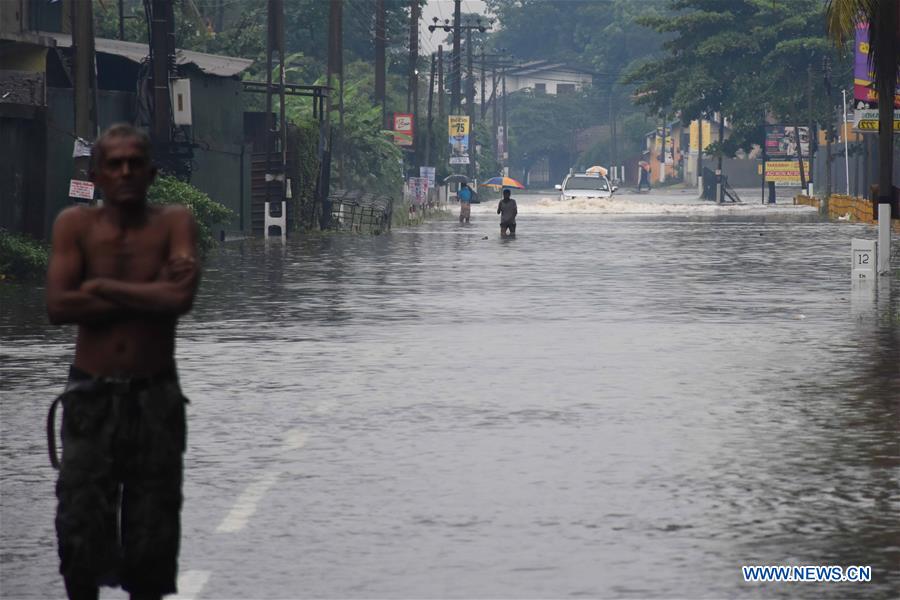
{"x": 545, "y": 125}
{"x": 742, "y": 58}
{"x": 303, "y": 141}
{"x": 371, "y": 160}
{"x": 22, "y": 257}
{"x": 206, "y": 211}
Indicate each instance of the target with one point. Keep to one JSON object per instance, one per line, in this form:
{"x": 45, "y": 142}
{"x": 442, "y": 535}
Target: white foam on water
{"x": 633, "y": 206}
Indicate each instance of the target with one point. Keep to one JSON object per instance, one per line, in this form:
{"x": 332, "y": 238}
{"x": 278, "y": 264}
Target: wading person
{"x": 507, "y": 210}
{"x": 644, "y": 177}
{"x": 123, "y": 273}
{"x": 465, "y": 202}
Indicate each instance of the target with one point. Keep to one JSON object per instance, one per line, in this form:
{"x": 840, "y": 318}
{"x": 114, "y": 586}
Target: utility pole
{"x": 457, "y": 67}
{"x": 614, "y": 155}
{"x": 700, "y": 154}
{"x": 412, "y": 85}
{"x": 483, "y": 73}
{"x": 121, "y": 19}
{"x": 379, "y": 61}
{"x": 440, "y": 78}
{"x": 335, "y": 68}
{"x": 457, "y": 27}
{"x": 162, "y": 55}
{"x": 412, "y": 97}
{"x": 494, "y": 110}
{"x": 429, "y": 133}
{"x": 720, "y": 196}
{"x": 470, "y": 108}
{"x": 276, "y": 170}
{"x": 85, "y": 83}
{"x": 812, "y": 126}
{"x": 505, "y": 156}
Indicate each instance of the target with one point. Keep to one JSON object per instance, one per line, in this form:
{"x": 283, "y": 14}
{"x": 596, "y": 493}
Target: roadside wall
{"x": 846, "y": 208}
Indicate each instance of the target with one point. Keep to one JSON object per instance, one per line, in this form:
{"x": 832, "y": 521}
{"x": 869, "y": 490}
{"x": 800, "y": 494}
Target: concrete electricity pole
{"x": 457, "y": 66}
{"x": 379, "y": 61}
{"x": 162, "y": 55}
{"x": 429, "y": 133}
{"x": 85, "y": 82}
{"x": 276, "y": 170}
{"x": 440, "y": 77}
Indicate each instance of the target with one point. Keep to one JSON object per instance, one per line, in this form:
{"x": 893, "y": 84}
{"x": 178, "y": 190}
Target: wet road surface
{"x": 633, "y": 398}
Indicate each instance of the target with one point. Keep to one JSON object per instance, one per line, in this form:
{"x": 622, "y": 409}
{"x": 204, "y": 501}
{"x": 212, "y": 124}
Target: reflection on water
{"x": 609, "y": 405}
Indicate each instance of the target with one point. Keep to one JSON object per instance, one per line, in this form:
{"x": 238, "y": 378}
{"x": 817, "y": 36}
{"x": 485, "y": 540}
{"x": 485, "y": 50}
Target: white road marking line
{"x": 295, "y": 439}
{"x": 190, "y": 584}
{"x": 246, "y": 503}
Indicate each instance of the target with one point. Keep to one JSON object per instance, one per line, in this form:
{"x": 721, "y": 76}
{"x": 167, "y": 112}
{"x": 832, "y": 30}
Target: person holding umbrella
{"x": 465, "y": 195}
{"x": 507, "y": 210}
{"x": 644, "y": 176}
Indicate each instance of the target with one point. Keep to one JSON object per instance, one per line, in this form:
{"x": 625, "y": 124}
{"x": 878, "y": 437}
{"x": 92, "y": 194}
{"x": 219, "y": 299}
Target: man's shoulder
{"x": 173, "y": 213}
{"x": 76, "y": 217}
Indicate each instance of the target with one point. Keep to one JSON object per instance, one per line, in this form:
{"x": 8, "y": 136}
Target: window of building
{"x": 540, "y": 88}
{"x": 565, "y": 88}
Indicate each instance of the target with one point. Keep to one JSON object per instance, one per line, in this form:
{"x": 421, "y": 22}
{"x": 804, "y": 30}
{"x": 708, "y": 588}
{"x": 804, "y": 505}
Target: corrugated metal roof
{"x": 211, "y": 64}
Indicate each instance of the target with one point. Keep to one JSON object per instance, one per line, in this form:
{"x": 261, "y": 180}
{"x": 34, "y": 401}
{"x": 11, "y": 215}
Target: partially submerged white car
{"x": 585, "y": 186}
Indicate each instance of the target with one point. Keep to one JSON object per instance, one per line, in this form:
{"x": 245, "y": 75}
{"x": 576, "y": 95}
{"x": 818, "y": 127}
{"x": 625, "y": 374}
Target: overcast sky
{"x": 442, "y": 9}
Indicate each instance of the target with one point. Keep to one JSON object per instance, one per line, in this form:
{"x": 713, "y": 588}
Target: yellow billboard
{"x": 785, "y": 172}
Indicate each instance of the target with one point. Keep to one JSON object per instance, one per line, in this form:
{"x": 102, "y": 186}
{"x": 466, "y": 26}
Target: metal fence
{"x": 361, "y": 212}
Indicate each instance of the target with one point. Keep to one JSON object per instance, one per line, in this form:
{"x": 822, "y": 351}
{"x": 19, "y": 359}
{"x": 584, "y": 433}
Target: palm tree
{"x": 883, "y": 17}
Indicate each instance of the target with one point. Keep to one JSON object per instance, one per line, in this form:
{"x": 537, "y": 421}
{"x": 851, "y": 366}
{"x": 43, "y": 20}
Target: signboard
{"x": 785, "y": 173}
{"x": 695, "y": 130}
{"x": 863, "y": 255}
{"x": 781, "y": 142}
{"x": 429, "y": 174}
{"x": 458, "y": 128}
{"x": 418, "y": 190}
{"x": 81, "y": 189}
{"x": 866, "y": 121}
{"x": 403, "y": 129}
{"x": 501, "y": 142}
{"x": 181, "y": 101}
{"x": 863, "y": 76}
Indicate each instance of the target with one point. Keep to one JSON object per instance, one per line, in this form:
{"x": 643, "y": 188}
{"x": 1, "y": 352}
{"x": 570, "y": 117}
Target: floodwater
{"x": 633, "y": 398}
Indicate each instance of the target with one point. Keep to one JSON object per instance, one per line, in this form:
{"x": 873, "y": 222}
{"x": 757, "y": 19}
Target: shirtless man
{"x": 123, "y": 272}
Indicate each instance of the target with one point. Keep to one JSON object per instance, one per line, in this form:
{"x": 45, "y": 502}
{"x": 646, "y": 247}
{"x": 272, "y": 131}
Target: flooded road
{"x": 629, "y": 400}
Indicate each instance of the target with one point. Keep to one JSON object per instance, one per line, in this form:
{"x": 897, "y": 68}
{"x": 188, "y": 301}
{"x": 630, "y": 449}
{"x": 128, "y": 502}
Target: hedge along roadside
{"x": 21, "y": 257}
{"x": 24, "y": 258}
{"x": 206, "y": 211}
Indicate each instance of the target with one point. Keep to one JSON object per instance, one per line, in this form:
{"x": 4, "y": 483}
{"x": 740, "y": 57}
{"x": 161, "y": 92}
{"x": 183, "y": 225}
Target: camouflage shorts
{"x": 119, "y": 486}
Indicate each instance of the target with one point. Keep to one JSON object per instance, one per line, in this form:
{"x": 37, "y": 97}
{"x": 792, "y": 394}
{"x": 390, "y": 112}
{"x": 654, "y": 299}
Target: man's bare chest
{"x": 128, "y": 254}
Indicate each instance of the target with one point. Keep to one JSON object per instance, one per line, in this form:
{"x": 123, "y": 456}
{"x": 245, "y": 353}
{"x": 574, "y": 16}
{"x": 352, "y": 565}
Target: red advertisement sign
{"x": 403, "y": 129}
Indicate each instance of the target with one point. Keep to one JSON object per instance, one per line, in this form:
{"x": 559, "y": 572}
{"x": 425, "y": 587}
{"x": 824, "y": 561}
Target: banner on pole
{"x": 458, "y": 128}
{"x": 429, "y": 174}
{"x": 863, "y": 75}
{"x": 781, "y": 142}
{"x": 403, "y": 129}
{"x": 418, "y": 190}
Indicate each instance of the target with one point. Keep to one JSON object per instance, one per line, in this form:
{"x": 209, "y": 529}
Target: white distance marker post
{"x": 864, "y": 254}
{"x": 884, "y": 238}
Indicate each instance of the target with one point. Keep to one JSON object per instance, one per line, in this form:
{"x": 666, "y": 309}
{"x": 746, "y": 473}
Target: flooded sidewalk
{"x": 633, "y": 398}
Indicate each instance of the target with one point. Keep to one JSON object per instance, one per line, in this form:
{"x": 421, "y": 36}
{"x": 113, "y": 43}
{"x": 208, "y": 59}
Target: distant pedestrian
{"x": 507, "y": 210}
{"x": 644, "y": 177}
{"x": 465, "y": 195}
{"x": 123, "y": 273}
